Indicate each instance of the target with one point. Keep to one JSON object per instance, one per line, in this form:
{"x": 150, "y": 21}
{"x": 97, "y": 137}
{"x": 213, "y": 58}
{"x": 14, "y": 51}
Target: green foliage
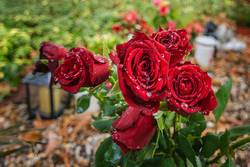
{"x": 210, "y": 145}
{"x": 185, "y": 147}
{"x": 239, "y": 131}
{"x": 83, "y": 103}
{"x": 104, "y": 125}
{"x": 240, "y": 12}
{"x": 108, "y": 154}
{"x": 222, "y": 96}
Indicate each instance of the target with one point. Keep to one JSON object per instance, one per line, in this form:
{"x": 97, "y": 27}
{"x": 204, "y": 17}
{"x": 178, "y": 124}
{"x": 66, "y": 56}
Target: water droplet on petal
{"x": 184, "y": 105}
{"x": 149, "y": 94}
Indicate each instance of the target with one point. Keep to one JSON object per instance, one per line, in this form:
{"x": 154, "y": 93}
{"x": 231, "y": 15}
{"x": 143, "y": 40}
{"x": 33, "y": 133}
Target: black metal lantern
{"x": 44, "y": 98}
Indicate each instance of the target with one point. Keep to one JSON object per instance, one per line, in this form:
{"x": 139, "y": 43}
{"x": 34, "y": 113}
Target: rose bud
{"x": 81, "y": 68}
{"x": 176, "y": 43}
{"x": 189, "y": 90}
{"x": 134, "y": 129}
{"x": 130, "y": 17}
{"x": 53, "y": 53}
{"x": 142, "y": 70}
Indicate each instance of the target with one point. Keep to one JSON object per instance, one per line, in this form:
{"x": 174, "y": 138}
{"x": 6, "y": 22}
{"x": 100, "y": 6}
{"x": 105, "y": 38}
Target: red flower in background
{"x": 117, "y": 28}
{"x": 156, "y": 2}
{"x": 164, "y": 9}
{"x": 147, "y": 29}
{"x": 189, "y": 90}
{"x": 194, "y": 27}
{"x": 130, "y": 17}
{"x": 81, "y": 68}
{"x": 171, "y": 25}
{"x": 143, "y": 66}
{"x": 176, "y": 43}
{"x": 134, "y": 129}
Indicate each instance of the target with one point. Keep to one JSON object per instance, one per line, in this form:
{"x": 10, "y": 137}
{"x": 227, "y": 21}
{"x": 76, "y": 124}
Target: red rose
{"x": 190, "y": 90}
{"x": 53, "y": 53}
{"x": 80, "y": 69}
{"x": 176, "y": 42}
{"x": 143, "y": 66}
{"x": 134, "y": 129}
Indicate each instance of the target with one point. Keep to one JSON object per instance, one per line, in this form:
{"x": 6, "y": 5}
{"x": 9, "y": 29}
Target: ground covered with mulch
{"x": 71, "y": 141}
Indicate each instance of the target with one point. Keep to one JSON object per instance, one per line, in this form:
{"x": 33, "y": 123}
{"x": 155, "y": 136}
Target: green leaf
{"x": 108, "y": 154}
{"x": 103, "y": 125}
{"x": 195, "y": 126}
{"x": 224, "y": 143}
{"x": 126, "y": 162}
{"x": 228, "y": 163}
{"x": 179, "y": 161}
{"x": 211, "y": 143}
{"x": 83, "y": 103}
{"x": 169, "y": 162}
{"x": 160, "y": 120}
{"x": 159, "y": 162}
{"x": 186, "y": 148}
{"x": 222, "y": 96}
{"x": 239, "y": 131}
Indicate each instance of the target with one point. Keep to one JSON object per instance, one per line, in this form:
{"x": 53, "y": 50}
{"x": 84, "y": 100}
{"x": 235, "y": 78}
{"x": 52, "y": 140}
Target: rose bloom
{"x": 130, "y": 17}
{"x": 81, "y": 68}
{"x": 134, "y": 129}
{"x": 176, "y": 43}
{"x": 53, "y": 53}
{"x": 189, "y": 90}
{"x": 142, "y": 65}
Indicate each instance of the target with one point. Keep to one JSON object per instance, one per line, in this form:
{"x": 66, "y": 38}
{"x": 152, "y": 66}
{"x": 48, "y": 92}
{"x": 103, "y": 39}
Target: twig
{"x": 156, "y": 144}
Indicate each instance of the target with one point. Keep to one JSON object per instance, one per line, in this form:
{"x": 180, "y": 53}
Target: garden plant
{"x": 152, "y": 101}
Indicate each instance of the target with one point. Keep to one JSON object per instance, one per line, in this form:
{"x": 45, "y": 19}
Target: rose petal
{"x": 52, "y": 51}
{"x": 136, "y": 136}
{"x": 127, "y": 119}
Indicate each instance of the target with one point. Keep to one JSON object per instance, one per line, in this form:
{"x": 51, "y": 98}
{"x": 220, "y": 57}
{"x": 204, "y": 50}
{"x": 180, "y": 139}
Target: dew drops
{"x": 100, "y": 59}
{"x": 149, "y": 94}
{"x": 184, "y": 105}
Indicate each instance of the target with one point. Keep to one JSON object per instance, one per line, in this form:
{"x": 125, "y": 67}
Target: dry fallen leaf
{"x": 31, "y": 136}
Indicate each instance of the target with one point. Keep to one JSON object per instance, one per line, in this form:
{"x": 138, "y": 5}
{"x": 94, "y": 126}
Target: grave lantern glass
{"x": 43, "y": 98}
